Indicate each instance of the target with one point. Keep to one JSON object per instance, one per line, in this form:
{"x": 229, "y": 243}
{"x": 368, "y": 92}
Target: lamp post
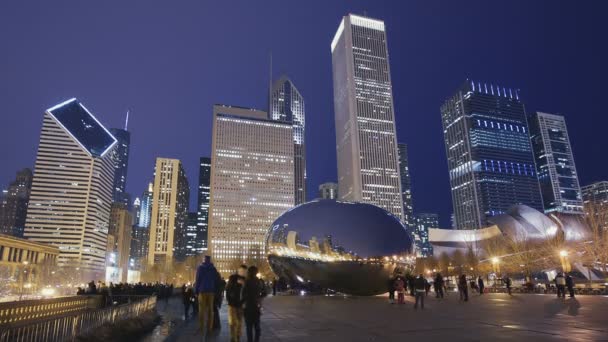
{"x": 496, "y": 265}
{"x": 21, "y": 275}
{"x": 563, "y": 256}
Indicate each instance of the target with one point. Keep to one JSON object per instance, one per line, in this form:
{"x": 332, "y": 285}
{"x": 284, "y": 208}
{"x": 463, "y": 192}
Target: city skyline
{"x": 424, "y": 93}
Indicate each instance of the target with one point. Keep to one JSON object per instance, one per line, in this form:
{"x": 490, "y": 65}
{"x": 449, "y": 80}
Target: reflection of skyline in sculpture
{"x": 347, "y": 247}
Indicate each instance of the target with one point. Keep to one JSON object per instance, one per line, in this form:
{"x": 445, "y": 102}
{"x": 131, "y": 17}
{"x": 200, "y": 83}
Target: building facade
{"x": 119, "y": 242}
{"x": 72, "y": 188}
{"x": 328, "y": 191}
{"x": 490, "y": 159}
{"x": 368, "y": 169}
{"x": 406, "y": 186}
{"x": 424, "y": 221}
{"x": 595, "y": 199}
{"x": 204, "y": 195}
{"x": 555, "y": 166}
{"x": 120, "y": 158}
{"x": 252, "y": 182}
{"x": 192, "y": 234}
{"x": 170, "y": 198}
{"x": 287, "y": 105}
{"x": 596, "y": 193}
{"x": 13, "y": 204}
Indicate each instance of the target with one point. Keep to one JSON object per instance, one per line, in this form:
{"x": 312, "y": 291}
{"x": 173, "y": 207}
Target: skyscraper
{"x": 596, "y": 193}
{"x": 140, "y": 236}
{"x": 192, "y": 242}
{"x": 252, "y": 182}
{"x": 145, "y": 207}
{"x": 169, "y": 211}
{"x": 595, "y": 199}
{"x": 368, "y": 169}
{"x": 328, "y": 191}
{"x": 406, "y": 186}
{"x": 72, "y": 188}
{"x": 119, "y": 240}
{"x": 120, "y": 158}
{"x": 204, "y": 184}
{"x": 490, "y": 158}
{"x": 287, "y": 105}
{"x": 555, "y": 166}
{"x": 424, "y": 221}
{"x": 13, "y": 204}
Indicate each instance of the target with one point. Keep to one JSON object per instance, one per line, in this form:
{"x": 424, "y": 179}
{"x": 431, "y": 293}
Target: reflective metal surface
{"x": 347, "y": 247}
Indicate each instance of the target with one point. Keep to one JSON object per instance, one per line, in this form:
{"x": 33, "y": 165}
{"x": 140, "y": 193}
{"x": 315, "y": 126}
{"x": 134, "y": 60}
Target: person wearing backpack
{"x": 234, "y": 297}
{"x": 560, "y": 283}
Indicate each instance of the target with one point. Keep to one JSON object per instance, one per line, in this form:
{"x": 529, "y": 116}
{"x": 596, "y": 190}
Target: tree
{"x": 595, "y": 247}
{"x": 458, "y": 261}
{"x": 444, "y": 263}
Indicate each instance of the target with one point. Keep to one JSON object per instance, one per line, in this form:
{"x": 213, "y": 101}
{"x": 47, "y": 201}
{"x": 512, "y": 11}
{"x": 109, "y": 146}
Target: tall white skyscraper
{"x": 72, "y": 188}
{"x": 287, "y": 105}
{"x": 368, "y": 169}
{"x": 170, "y": 198}
{"x": 252, "y": 182}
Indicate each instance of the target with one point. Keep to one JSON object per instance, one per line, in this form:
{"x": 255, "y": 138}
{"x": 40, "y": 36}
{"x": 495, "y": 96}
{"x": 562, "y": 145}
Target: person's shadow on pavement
{"x": 573, "y": 306}
{"x": 553, "y": 307}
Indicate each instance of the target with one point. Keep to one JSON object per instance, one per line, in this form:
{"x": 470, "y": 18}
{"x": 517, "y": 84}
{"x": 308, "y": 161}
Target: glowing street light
{"x": 563, "y": 253}
{"x": 496, "y": 264}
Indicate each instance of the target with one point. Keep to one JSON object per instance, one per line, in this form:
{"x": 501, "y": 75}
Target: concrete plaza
{"x": 488, "y": 317}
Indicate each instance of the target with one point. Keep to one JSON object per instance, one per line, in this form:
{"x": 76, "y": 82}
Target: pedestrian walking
{"x": 570, "y": 285}
{"x": 391, "y": 290}
{"x": 234, "y": 297}
{"x": 187, "y": 299}
{"x": 439, "y": 284}
{"x": 253, "y": 292}
{"x": 274, "y": 286}
{"x": 560, "y": 283}
{"x": 400, "y": 288}
{"x": 218, "y": 299}
{"x": 508, "y": 283}
{"x": 205, "y": 286}
{"x": 463, "y": 288}
{"x": 427, "y": 287}
{"x": 420, "y": 289}
{"x": 481, "y": 285}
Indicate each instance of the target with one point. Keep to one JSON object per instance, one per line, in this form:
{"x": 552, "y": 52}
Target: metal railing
{"x": 27, "y": 310}
{"x": 67, "y": 327}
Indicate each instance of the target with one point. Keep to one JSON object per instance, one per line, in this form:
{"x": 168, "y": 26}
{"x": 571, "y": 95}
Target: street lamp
{"x": 563, "y": 256}
{"x": 496, "y": 264}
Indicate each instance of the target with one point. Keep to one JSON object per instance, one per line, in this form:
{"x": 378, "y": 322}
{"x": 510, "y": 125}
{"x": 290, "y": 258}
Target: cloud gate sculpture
{"x": 351, "y": 248}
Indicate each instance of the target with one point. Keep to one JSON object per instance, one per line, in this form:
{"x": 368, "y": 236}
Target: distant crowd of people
{"x": 117, "y": 293}
{"x": 244, "y": 292}
{"x": 419, "y": 287}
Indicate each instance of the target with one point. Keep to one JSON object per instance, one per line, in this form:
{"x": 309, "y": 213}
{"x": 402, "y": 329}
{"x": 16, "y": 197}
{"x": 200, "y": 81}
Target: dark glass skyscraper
{"x": 13, "y": 204}
{"x": 192, "y": 240}
{"x": 490, "y": 158}
{"x": 555, "y": 164}
{"x": 423, "y": 222}
{"x": 406, "y": 185}
{"x": 120, "y": 159}
{"x": 204, "y": 194}
{"x": 287, "y": 105}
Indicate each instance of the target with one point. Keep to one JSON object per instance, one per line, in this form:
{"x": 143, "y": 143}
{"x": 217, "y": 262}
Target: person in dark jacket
{"x": 419, "y": 290}
{"x": 508, "y": 283}
{"x": 187, "y": 299}
{"x": 253, "y": 292}
{"x": 439, "y": 284}
{"x": 205, "y": 286}
{"x": 480, "y": 284}
{"x": 218, "y": 299}
{"x": 463, "y": 288}
{"x": 234, "y": 297}
{"x": 570, "y": 285}
{"x": 390, "y": 286}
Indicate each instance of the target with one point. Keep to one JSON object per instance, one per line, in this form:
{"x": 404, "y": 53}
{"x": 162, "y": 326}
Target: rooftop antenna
{"x": 127, "y": 120}
{"x": 270, "y": 88}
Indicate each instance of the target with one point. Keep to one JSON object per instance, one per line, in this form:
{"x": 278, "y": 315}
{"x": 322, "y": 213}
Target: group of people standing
{"x": 562, "y": 283}
{"x": 244, "y": 293}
